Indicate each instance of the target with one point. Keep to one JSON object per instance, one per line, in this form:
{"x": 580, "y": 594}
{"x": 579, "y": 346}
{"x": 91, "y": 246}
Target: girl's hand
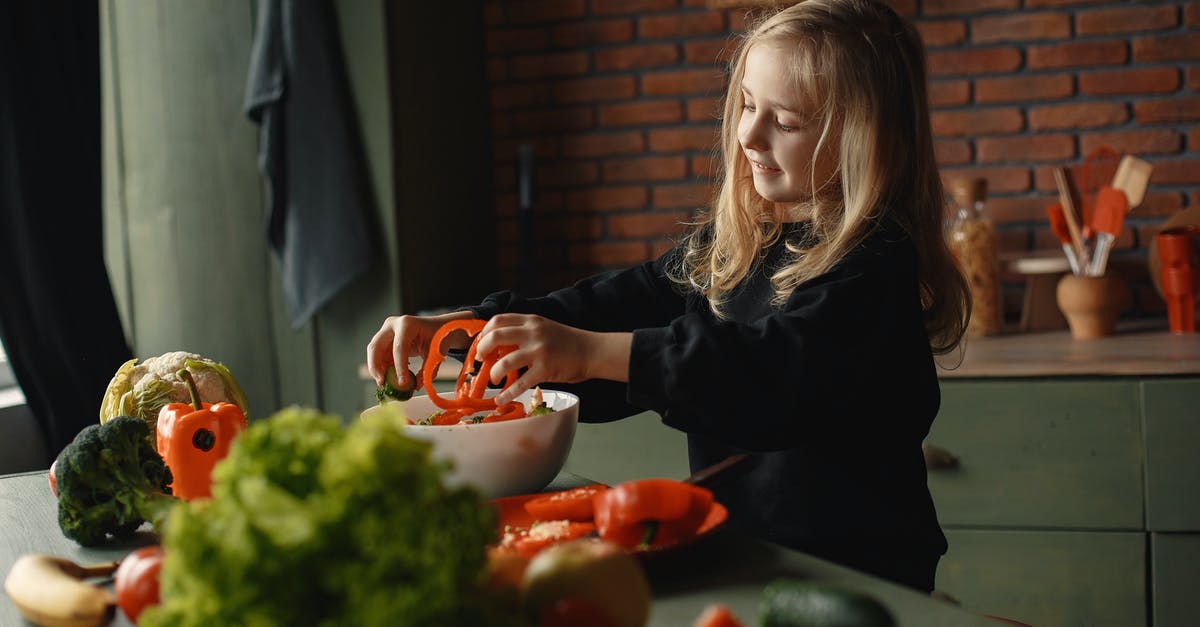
{"x": 551, "y": 351}
{"x": 402, "y": 337}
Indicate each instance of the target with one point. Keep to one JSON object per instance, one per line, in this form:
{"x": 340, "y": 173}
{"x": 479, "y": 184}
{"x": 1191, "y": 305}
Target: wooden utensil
{"x": 1107, "y": 221}
{"x": 704, "y": 474}
{"x": 1068, "y": 197}
{"x": 1132, "y": 177}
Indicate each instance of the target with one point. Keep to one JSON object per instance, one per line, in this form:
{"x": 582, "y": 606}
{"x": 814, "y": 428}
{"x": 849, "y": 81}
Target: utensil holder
{"x": 1091, "y": 304}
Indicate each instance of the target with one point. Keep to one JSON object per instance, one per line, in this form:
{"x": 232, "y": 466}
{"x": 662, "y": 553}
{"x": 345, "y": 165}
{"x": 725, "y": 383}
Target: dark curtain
{"x": 58, "y": 319}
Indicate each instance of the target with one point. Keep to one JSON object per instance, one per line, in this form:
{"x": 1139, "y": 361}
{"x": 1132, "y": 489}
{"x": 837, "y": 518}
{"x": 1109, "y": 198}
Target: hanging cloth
{"x": 319, "y": 206}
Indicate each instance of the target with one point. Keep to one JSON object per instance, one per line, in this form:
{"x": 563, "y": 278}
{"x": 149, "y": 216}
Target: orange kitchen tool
{"x": 1107, "y": 221}
{"x": 1097, "y": 171}
{"x": 1058, "y": 224}
{"x": 1068, "y": 197}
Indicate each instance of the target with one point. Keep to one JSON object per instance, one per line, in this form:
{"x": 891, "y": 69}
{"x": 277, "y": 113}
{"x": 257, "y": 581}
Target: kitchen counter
{"x": 1133, "y": 350}
{"x": 725, "y": 567}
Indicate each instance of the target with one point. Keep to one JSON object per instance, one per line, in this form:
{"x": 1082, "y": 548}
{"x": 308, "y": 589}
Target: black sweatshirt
{"x": 834, "y": 393}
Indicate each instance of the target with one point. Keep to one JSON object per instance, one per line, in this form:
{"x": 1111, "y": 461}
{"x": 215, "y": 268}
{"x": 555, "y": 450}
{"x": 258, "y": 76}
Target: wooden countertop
{"x": 1132, "y": 351}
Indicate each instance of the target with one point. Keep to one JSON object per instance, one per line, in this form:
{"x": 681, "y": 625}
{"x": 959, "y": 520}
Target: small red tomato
{"x": 717, "y": 615}
{"x": 136, "y": 580}
{"x": 574, "y": 612}
{"x": 53, "y": 478}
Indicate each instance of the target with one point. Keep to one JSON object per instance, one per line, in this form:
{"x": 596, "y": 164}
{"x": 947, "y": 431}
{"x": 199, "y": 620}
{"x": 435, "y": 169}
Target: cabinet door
{"x": 1062, "y": 578}
{"x": 1172, "y": 428}
{"x": 1039, "y": 454}
{"x": 1175, "y": 570}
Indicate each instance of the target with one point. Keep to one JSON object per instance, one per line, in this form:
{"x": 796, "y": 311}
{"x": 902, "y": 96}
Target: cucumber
{"x": 792, "y": 603}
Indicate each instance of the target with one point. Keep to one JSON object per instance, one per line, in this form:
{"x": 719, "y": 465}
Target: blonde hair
{"x": 861, "y": 70}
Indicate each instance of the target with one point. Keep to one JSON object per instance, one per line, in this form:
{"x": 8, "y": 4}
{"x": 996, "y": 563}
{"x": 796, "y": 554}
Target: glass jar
{"x": 972, "y": 238}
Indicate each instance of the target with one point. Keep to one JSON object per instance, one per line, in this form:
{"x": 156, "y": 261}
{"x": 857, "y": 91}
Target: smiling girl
{"x": 799, "y": 318}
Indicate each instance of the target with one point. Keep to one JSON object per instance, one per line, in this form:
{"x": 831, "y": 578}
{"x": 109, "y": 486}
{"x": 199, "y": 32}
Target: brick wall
{"x": 618, "y": 99}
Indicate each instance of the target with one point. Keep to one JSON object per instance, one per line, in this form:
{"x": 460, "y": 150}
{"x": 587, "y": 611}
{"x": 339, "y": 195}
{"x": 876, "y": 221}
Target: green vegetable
{"x": 313, "y": 523}
{"x": 538, "y": 410}
{"x": 110, "y": 480}
{"x": 391, "y": 388}
{"x": 141, "y": 390}
{"x": 792, "y": 603}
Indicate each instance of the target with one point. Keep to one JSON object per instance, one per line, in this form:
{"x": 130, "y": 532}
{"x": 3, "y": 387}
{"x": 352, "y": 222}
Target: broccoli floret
{"x": 111, "y": 480}
{"x": 391, "y": 388}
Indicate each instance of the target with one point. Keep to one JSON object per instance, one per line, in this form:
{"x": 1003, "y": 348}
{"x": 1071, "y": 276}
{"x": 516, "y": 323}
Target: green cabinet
{"x": 1059, "y": 488}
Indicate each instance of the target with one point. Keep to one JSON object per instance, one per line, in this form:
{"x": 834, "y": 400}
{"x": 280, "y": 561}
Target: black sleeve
{"x": 846, "y": 355}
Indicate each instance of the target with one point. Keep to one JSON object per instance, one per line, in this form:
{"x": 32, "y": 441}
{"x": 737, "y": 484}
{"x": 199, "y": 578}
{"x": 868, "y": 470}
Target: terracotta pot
{"x": 1091, "y": 305}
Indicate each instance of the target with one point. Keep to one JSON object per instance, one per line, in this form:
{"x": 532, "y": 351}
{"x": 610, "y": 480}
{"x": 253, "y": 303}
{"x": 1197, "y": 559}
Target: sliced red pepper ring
{"x": 669, "y": 511}
{"x": 573, "y": 504}
{"x": 468, "y": 394}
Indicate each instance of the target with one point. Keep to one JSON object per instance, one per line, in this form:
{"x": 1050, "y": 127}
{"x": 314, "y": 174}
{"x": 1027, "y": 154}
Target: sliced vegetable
{"x": 574, "y": 504}
{"x": 651, "y": 512}
{"x": 193, "y": 437}
{"x": 469, "y": 393}
{"x": 393, "y": 390}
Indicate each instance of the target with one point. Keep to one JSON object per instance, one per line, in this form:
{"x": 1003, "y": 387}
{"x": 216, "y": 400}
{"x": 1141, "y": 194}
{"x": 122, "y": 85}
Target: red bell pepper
{"x": 193, "y": 437}
{"x": 468, "y": 394}
{"x": 651, "y": 513}
{"x": 573, "y": 504}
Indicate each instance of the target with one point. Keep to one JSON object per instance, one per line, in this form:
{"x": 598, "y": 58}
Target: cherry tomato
{"x": 717, "y": 615}
{"x": 574, "y": 612}
{"x": 136, "y": 580}
{"x": 53, "y": 478}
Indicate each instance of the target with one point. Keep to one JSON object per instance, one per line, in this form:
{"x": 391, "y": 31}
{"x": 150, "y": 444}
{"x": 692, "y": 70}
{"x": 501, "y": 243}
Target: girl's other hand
{"x": 402, "y": 337}
{"x": 551, "y": 351}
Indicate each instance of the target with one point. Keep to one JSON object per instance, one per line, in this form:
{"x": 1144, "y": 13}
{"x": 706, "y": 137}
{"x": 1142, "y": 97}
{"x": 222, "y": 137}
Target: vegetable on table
{"x": 592, "y": 570}
{"x": 717, "y": 615}
{"x": 111, "y": 480}
{"x": 791, "y": 602}
{"x": 193, "y": 437}
{"x": 141, "y": 389}
{"x": 51, "y": 591}
{"x": 136, "y": 581}
{"x": 316, "y": 523}
{"x": 649, "y": 513}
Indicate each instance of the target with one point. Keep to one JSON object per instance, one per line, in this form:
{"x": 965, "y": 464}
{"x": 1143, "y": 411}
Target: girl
{"x": 799, "y": 318}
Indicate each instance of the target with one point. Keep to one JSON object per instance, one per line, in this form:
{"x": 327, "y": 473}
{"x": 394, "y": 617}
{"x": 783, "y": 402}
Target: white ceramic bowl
{"x": 501, "y": 458}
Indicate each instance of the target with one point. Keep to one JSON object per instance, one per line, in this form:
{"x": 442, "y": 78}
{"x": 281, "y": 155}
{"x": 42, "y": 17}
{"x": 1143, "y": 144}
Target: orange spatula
{"x": 1058, "y": 224}
{"x": 1108, "y": 219}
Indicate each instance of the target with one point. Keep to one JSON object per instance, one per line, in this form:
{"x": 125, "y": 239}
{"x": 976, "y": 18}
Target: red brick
{"x": 1024, "y": 88}
{"x": 1194, "y": 139}
{"x": 942, "y": 32}
{"x": 1193, "y": 78}
{"x": 963, "y": 7}
{"x": 1126, "y": 20}
{"x": 703, "y": 166}
{"x": 519, "y": 95}
{"x": 680, "y": 25}
{"x": 603, "y": 144}
{"x": 687, "y": 195}
{"x": 596, "y": 89}
{"x": 550, "y": 65}
{"x": 549, "y": 120}
{"x": 704, "y": 109}
{"x": 952, "y": 152}
{"x": 974, "y": 61}
{"x": 1087, "y": 115}
{"x": 1191, "y": 14}
{"x": 1020, "y": 27}
{"x": 905, "y": 8}
{"x": 516, "y": 40}
{"x": 645, "y": 169}
{"x": 1176, "y": 172}
{"x": 708, "y": 51}
{"x": 1024, "y": 148}
{"x": 569, "y": 226}
{"x": 493, "y": 14}
{"x": 635, "y": 57}
{"x": 1009, "y": 209}
{"x": 659, "y": 247}
{"x": 631, "y": 7}
{"x": 608, "y": 254}
{"x": 1035, "y": 4}
{"x": 642, "y": 225}
{"x": 497, "y": 70}
{"x": 544, "y": 147}
{"x": 1000, "y": 180}
{"x": 683, "y": 139}
{"x": 738, "y": 19}
{"x": 976, "y": 122}
{"x": 685, "y": 82}
{"x": 1160, "y": 204}
{"x": 581, "y": 34}
{"x": 608, "y": 198}
{"x": 502, "y": 124}
{"x": 1167, "y": 110}
{"x": 565, "y": 173}
{"x": 528, "y": 11}
{"x": 1156, "y": 80}
{"x": 949, "y": 93}
{"x": 1076, "y": 54}
{"x": 640, "y": 113}
{"x": 1167, "y": 48}
{"x": 1135, "y": 142}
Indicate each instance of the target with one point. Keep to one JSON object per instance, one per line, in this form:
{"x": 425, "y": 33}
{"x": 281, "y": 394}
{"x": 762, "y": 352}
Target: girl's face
{"x": 777, "y": 137}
